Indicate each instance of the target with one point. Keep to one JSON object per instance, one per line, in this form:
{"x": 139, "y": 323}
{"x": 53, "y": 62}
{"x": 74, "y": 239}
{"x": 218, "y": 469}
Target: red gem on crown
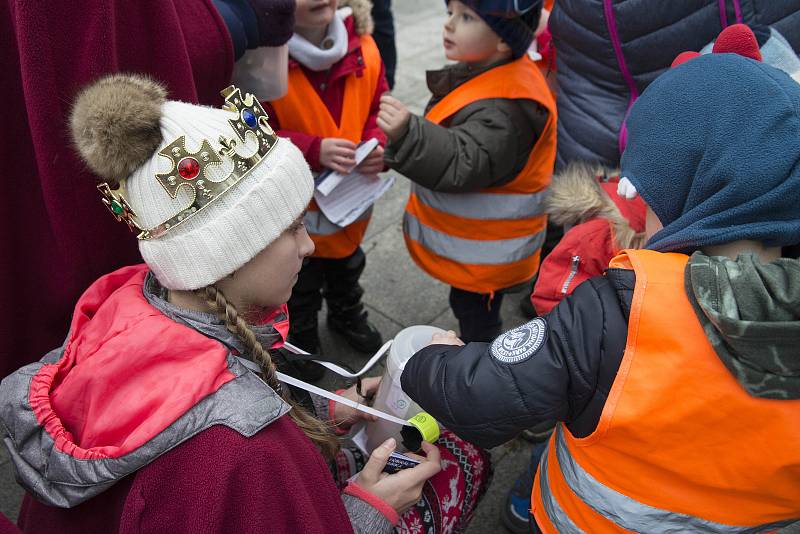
{"x": 189, "y": 168}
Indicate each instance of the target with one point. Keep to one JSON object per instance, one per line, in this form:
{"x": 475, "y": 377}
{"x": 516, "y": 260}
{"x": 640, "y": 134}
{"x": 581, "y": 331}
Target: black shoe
{"x": 306, "y": 371}
{"x": 307, "y": 340}
{"x": 358, "y": 331}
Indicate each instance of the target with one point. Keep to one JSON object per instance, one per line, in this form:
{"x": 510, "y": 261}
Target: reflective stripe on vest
{"x": 621, "y": 509}
{"x": 490, "y": 239}
{"x": 555, "y": 513}
{"x": 472, "y": 251}
{"x": 680, "y": 445}
{"x": 319, "y": 225}
{"x": 303, "y": 110}
{"x": 473, "y": 205}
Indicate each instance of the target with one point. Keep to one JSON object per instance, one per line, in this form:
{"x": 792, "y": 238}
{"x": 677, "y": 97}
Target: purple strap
{"x": 723, "y": 15}
{"x": 611, "y": 23}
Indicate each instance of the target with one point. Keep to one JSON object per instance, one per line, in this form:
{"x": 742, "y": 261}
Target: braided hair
{"x": 318, "y": 431}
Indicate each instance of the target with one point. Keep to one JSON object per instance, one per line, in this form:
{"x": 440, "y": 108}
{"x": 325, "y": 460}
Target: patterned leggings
{"x": 448, "y": 499}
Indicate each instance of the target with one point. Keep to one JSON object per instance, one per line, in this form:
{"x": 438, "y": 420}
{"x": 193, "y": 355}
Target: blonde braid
{"x": 316, "y": 430}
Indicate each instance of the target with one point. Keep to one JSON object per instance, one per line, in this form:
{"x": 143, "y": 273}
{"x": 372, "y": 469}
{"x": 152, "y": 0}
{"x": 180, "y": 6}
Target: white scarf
{"x": 334, "y": 45}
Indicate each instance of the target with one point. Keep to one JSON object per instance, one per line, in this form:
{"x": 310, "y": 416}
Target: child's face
{"x": 467, "y": 37}
{"x": 266, "y": 281}
{"x": 314, "y": 13}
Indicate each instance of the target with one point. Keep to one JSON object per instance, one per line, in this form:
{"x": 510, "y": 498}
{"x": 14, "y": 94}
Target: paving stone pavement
{"x": 397, "y": 293}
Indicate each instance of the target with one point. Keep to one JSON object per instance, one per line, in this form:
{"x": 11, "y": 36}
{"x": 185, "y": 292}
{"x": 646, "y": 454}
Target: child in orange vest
{"x": 480, "y": 161}
{"x": 336, "y": 78}
{"x": 675, "y": 377}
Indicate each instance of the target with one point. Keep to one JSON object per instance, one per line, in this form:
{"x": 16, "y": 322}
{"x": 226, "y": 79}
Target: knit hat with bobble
{"x": 120, "y": 123}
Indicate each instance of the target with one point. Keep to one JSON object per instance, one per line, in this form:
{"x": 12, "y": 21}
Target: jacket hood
{"x": 362, "y": 15}
{"x": 129, "y": 384}
{"x": 751, "y": 315}
{"x": 577, "y": 195}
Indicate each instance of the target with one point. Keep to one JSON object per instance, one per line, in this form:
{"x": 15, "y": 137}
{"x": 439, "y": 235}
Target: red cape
{"x": 57, "y": 237}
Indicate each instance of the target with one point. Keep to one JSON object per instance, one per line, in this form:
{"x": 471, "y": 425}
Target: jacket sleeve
{"x": 240, "y": 19}
{"x": 476, "y": 393}
{"x": 481, "y": 150}
{"x": 308, "y": 144}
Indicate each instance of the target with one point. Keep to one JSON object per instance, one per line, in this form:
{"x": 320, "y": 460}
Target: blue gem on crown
{"x": 249, "y": 118}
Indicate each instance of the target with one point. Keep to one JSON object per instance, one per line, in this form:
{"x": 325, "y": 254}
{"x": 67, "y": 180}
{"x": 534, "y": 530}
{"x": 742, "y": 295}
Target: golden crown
{"x": 189, "y": 168}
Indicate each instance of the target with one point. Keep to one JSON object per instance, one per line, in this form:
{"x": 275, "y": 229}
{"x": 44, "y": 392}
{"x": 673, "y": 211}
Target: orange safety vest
{"x": 490, "y": 239}
{"x": 303, "y": 110}
{"x": 680, "y": 446}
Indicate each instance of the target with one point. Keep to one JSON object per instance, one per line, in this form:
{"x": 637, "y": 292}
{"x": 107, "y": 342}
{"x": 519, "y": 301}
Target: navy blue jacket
{"x": 566, "y": 365}
{"x": 594, "y": 93}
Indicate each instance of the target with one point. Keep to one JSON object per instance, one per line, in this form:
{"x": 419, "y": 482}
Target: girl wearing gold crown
{"x": 148, "y": 417}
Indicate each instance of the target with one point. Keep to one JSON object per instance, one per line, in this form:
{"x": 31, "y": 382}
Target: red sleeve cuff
{"x": 338, "y": 430}
{"x": 373, "y": 500}
{"x": 312, "y": 155}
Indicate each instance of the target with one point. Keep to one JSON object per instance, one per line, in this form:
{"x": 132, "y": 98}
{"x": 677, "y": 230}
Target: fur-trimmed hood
{"x": 362, "y": 15}
{"x": 577, "y": 195}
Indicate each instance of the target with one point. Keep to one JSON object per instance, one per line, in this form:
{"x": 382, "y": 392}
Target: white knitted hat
{"x": 212, "y": 240}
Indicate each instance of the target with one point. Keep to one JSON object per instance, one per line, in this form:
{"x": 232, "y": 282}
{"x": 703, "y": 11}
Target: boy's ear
{"x": 503, "y": 47}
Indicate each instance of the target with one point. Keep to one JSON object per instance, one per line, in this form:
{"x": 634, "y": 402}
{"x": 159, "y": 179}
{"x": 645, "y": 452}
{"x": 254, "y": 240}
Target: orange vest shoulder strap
{"x": 360, "y": 91}
{"x": 654, "y": 265}
{"x": 304, "y": 111}
{"x": 517, "y": 79}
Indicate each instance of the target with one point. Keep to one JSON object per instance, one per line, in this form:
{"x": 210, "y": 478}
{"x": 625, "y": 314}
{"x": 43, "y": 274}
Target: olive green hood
{"x": 751, "y": 315}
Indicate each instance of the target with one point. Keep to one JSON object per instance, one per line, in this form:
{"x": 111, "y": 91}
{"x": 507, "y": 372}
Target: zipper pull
{"x": 576, "y": 262}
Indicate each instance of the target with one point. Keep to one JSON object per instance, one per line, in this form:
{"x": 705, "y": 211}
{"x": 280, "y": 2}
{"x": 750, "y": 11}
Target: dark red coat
{"x": 329, "y": 85}
{"x": 218, "y": 481}
{"x": 57, "y": 237}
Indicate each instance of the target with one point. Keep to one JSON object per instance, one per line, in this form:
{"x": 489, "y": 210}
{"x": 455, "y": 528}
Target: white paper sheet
{"x": 352, "y": 197}
{"x": 329, "y": 180}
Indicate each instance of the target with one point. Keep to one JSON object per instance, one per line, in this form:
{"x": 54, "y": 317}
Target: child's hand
{"x": 337, "y": 154}
{"x": 400, "y": 490}
{"x": 343, "y": 415}
{"x": 393, "y": 117}
{"x": 448, "y": 338}
{"x": 373, "y": 163}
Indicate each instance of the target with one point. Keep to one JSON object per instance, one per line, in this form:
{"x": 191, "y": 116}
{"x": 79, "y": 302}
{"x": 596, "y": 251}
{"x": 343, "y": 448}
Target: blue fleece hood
{"x": 714, "y": 150}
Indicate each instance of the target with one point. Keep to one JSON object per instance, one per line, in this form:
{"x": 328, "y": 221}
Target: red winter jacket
{"x": 330, "y": 87}
{"x": 603, "y": 223}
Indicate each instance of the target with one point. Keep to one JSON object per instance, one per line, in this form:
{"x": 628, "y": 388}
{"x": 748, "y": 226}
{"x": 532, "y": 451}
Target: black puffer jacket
{"x": 557, "y": 378}
{"x": 594, "y": 92}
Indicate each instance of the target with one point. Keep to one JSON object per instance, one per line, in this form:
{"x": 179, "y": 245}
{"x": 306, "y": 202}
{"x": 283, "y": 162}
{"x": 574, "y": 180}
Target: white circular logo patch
{"x": 521, "y": 343}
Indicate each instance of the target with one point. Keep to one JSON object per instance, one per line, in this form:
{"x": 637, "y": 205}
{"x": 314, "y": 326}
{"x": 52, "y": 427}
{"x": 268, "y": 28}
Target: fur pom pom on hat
{"x": 116, "y": 124}
{"x": 121, "y": 125}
